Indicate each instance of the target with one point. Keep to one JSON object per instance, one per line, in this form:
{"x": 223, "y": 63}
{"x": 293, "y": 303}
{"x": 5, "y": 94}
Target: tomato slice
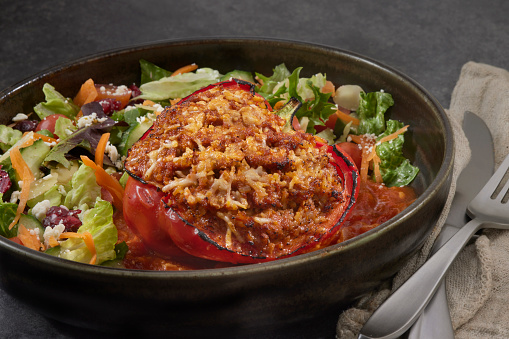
{"x": 163, "y": 228}
{"x": 48, "y": 123}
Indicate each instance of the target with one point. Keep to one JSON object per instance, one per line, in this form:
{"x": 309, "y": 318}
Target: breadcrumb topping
{"x": 229, "y": 170}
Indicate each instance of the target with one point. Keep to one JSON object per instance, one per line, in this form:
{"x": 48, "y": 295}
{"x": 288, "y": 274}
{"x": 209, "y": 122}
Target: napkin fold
{"x": 478, "y": 281}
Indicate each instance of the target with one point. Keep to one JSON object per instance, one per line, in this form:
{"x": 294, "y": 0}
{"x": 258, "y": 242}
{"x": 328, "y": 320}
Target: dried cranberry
{"x": 26, "y": 125}
{"x": 62, "y": 215}
{"x": 135, "y": 91}
{"x": 5, "y": 181}
{"x": 110, "y": 105}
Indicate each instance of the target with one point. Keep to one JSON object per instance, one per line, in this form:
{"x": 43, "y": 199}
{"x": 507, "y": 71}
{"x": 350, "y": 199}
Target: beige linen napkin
{"x": 478, "y": 281}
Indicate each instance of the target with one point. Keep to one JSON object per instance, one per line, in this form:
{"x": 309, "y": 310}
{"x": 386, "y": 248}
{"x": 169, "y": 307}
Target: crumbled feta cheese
{"x": 52, "y": 232}
{"x": 50, "y": 144}
{"x": 159, "y": 108}
{"x": 88, "y": 120}
{"x": 20, "y": 117}
{"x": 112, "y": 153}
{"x": 128, "y": 108}
{"x": 40, "y": 209}
{"x": 15, "y": 197}
{"x": 61, "y": 190}
{"x": 122, "y": 89}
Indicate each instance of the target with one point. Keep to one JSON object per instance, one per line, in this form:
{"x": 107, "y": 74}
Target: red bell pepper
{"x": 162, "y": 228}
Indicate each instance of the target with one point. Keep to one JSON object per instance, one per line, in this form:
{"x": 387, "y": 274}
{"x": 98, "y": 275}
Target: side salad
{"x": 61, "y": 167}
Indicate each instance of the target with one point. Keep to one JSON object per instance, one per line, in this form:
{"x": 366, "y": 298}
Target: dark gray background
{"x": 428, "y": 40}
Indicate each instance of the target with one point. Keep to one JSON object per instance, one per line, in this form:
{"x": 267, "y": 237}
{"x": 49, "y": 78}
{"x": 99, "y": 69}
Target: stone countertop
{"x": 427, "y": 40}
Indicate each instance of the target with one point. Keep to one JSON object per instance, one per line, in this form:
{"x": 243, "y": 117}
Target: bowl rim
{"x": 237, "y": 271}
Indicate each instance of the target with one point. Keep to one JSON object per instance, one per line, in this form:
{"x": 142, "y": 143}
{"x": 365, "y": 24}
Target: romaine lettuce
{"x": 179, "y": 86}
{"x": 83, "y": 190}
{"x": 8, "y": 137}
{"x": 55, "y": 103}
{"x": 371, "y": 112}
{"x": 269, "y": 83}
{"x": 396, "y": 170}
{"x": 98, "y": 221}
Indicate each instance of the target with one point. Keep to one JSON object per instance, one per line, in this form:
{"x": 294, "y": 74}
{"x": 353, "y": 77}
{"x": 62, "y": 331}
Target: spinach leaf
{"x": 151, "y": 72}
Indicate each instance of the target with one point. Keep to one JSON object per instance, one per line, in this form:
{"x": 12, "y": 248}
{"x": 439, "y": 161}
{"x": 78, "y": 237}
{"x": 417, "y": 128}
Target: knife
{"x": 469, "y": 183}
{"x": 435, "y": 321}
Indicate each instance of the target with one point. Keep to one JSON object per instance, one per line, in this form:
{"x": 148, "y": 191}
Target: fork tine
{"x": 494, "y": 185}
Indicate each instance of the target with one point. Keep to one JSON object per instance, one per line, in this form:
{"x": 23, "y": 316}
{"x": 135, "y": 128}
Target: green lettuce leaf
{"x": 98, "y": 221}
{"x": 55, "y": 103}
{"x": 64, "y": 127}
{"x": 371, "y": 112}
{"x": 282, "y": 85}
{"x": 8, "y": 137}
{"x": 151, "y": 72}
{"x": 7, "y": 215}
{"x": 179, "y": 86}
{"x": 83, "y": 190}
{"x": 396, "y": 170}
{"x": 280, "y": 74}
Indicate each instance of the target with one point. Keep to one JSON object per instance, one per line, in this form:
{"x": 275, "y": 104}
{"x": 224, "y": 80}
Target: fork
{"x": 489, "y": 209}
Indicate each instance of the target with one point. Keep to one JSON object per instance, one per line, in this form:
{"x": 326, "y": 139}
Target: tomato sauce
{"x": 375, "y": 204}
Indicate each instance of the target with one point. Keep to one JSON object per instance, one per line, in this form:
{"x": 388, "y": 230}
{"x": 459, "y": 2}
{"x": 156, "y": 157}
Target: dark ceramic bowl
{"x": 275, "y": 297}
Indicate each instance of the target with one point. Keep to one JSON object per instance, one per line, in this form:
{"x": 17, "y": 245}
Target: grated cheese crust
{"x": 229, "y": 170}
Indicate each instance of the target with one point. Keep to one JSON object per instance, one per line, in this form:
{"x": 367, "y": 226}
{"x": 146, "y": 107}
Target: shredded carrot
{"x": 87, "y": 93}
{"x": 87, "y": 238}
{"x": 30, "y": 240}
{"x": 20, "y": 166}
{"x": 101, "y": 147}
{"x": 369, "y": 156}
{"x": 356, "y": 138}
{"x": 366, "y": 153}
{"x": 106, "y": 181}
{"x": 52, "y": 242}
{"x": 347, "y": 117}
{"x": 44, "y": 138}
{"x": 29, "y": 141}
{"x": 393, "y": 135}
{"x": 185, "y": 69}
{"x": 376, "y": 168}
{"x": 148, "y": 103}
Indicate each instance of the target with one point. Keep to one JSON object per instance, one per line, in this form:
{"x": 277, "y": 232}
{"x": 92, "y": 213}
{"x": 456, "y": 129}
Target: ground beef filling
{"x": 229, "y": 170}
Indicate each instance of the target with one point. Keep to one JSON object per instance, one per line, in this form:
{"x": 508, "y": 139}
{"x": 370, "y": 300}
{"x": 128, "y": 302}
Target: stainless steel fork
{"x": 489, "y": 209}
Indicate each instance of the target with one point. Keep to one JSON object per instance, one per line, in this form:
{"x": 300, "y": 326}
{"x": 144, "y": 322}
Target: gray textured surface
{"x": 428, "y": 40}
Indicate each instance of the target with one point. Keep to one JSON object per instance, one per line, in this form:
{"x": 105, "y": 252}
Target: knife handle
{"x": 435, "y": 320}
{"x": 403, "y": 307}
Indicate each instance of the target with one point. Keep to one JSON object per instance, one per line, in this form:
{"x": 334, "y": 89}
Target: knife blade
{"x": 435, "y": 321}
{"x": 471, "y": 180}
